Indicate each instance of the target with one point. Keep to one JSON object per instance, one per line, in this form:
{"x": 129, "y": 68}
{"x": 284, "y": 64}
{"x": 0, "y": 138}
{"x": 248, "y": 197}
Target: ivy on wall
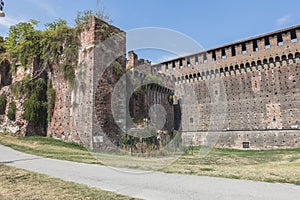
{"x": 12, "y": 109}
{"x": 56, "y": 45}
{"x": 3, "y": 102}
{"x": 35, "y": 106}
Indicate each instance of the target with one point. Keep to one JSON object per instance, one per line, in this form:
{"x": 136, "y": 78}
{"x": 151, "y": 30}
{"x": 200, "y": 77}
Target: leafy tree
{"x": 2, "y": 48}
{"x": 53, "y": 26}
{"x": 22, "y": 42}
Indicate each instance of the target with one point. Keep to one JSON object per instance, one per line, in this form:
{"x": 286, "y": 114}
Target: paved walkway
{"x": 150, "y": 185}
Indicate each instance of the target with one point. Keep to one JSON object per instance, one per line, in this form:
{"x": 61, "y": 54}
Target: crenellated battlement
{"x": 269, "y": 50}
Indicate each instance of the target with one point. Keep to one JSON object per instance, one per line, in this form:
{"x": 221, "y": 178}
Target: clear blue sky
{"x": 210, "y": 23}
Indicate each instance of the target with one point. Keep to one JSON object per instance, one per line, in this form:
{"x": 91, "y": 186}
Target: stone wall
{"x": 264, "y": 139}
{"x": 250, "y": 87}
{"x": 83, "y": 112}
{"x": 147, "y": 97}
{"x": 147, "y": 90}
{"x": 7, "y": 82}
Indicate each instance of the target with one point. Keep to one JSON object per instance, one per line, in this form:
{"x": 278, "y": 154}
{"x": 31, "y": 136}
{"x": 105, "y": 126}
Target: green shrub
{"x": 3, "y": 102}
{"x": 11, "y": 114}
{"x": 170, "y": 99}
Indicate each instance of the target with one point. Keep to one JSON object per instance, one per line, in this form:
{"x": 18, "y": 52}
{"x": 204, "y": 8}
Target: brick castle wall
{"x": 257, "y": 84}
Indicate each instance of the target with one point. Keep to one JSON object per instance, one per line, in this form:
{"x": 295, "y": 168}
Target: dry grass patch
{"x": 49, "y": 148}
{"x": 267, "y": 165}
{"x": 281, "y": 165}
{"x": 20, "y": 184}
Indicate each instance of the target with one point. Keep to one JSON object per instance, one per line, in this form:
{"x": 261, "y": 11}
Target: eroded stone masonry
{"x": 240, "y": 95}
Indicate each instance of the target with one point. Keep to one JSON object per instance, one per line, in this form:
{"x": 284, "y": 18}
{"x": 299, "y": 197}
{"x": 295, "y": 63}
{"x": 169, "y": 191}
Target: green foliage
{"x": 53, "y": 26}
{"x": 11, "y": 114}
{"x": 51, "y": 94}
{"x": 170, "y": 99}
{"x": 57, "y": 44}
{"x": 83, "y": 17}
{"x": 3, "y": 102}
{"x": 69, "y": 72}
{"x": 22, "y": 43}
{"x": 22, "y": 87}
{"x": 117, "y": 68}
{"x": 61, "y": 43}
{"x": 16, "y": 88}
{"x": 35, "y": 107}
{"x": 127, "y": 140}
{"x": 151, "y": 79}
{"x": 2, "y": 48}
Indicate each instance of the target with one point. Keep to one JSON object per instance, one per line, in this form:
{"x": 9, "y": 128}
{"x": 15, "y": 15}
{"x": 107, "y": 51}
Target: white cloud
{"x": 7, "y": 21}
{"x": 283, "y": 20}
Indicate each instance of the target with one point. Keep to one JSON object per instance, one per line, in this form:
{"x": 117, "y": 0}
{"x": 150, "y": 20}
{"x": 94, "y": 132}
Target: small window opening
{"x": 244, "y": 49}
{"x": 196, "y": 60}
{"x": 267, "y": 43}
{"x": 255, "y": 46}
{"x": 223, "y": 54}
{"x": 214, "y": 58}
{"x": 246, "y": 145}
{"x": 180, "y": 64}
{"x": 294, "y": 36}
{"x": 279, "y": 40}
{"x": 191, "y": 120}
{"x": 188, "y": 62}
{"x": 233, "y": 53}
{"x": 204, "y": 58}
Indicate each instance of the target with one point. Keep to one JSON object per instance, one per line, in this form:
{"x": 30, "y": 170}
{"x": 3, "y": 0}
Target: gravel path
{"x": 150, "y": 185}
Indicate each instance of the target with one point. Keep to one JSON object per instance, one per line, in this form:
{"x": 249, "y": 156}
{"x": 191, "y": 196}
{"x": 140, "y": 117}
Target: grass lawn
{"x": 21, "y": 184}
{"x": 281, "y": 165}
{"x": 49, "y": 147}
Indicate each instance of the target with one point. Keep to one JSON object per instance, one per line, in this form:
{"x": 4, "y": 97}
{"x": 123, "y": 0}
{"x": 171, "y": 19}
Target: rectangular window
{"x": 188, "y": 61}
{"x": 255, "y": 46}
{"x": 294, "y": 36}
{"x": 223, "y": 54}
{"x": 204, "y": 58}
{"x": 233, "y": 53}
{"x": 196, "y": 60}
{"x": 267, "y": 43}
{"x": 214, "y": 58}
{"x": 244, "y": 49}
{"x": 246, "y": 145}
{"x": 279, "y": 40}
{"x": 180, "y": 64}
